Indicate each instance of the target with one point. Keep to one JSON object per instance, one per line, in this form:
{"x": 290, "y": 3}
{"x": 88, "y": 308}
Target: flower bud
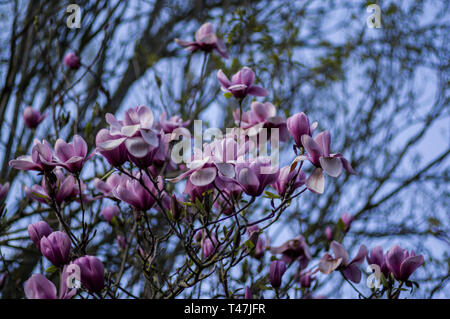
{"x": 347, "y": 219}
{"x": 298, "y": 125}
{"x": 248, "y": 293}
{"x": 72, "y": 61}
{"x": 92, "y": 273}
{"x": 38, "y": 230}
{"x": 277, "y": 270}
{"x": 32, "y": 117}
{"x": 4, "y": 189}
{"x": 56, "y": 248}
{"x": 329, "y": 233}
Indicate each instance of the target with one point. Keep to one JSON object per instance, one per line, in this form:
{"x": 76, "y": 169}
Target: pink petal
{"x": 137, "y": 147}
{"x": 331, "y": 165}
{"x": 257, "y": 91}
{"x": 204, "y": 176}
{"x": 316, "y": 181}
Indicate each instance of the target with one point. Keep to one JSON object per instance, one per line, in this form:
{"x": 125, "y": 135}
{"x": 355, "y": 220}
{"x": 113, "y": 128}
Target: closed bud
{"x": 277, "y": 270}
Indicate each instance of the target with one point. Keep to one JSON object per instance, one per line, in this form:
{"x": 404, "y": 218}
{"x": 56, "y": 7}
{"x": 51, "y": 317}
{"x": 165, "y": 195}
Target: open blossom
{"x": 56, "y": 248}
{"x": 132, "y": 192}
{"x": 72, "y": 61}
{"x": 37, "y": 231}
{"x": 294, "y": 249}
{"x": 261, "y": 115}
{"x": 285, "y": 177}
{"x": 4, "y": 189}
{"x": 32, "y": 117}
{"x": 241, "y": 84}
{"x": 402, "y": 263}
{"x": 66, "y": 188}
{"x": 41, "y": 158}
{"x": 72, "y": 156}
{"x": 298, "y": 125}
{"x": 215, "y": 165}
{"x": 340, "y": 261}
{"x": 205, "y": 40}
{"x": 277, "y": 270}
{"x": 143, "y": 144}
{"x": 319, "y": 155}
{"x": 92, "y": 272}
{"x": 254, "y": 175}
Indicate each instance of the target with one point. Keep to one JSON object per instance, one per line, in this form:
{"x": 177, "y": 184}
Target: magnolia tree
{"x": 166, "y": 187}
{"x": 115, "y": 182}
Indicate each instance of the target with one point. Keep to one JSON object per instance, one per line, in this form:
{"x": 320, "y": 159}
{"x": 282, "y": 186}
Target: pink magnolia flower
{"x": 72, "y": 61}
{"x": 66, "y": 188}
{"x": 402, "y": 263}
{"x": 72, "y": 156}
{"x": 32, "y": 117}
{"x": 261, "y": 115}
{"x": 277, "y": 270}
{"x": 340, "y": 261}
{"x": 205, "y": 40}
{"x": 115, "y": 156}
{"x": 37, "y": 231}
{"x": 241, "y": 84}
{"x": 143, "y": 144}
{"x": 4, "y": 189}
{"x": 215, "y": 165}
{"x": 132, "y": 192}
{"x": 294, "y": 249}
{"x": 286, "y": 176}
{"x": 254, "y": 175}
{"x": 41, "y": 158}
{"x": 298, "y": 125}
{"x": 56, "y": 248}
{"x": 92, "y": 272}
{"x": 319, "y": 155}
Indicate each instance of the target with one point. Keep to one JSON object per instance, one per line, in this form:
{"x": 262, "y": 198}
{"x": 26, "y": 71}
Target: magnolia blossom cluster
{"x": 56, "y": 247}
{"x": 138, "y": 147}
